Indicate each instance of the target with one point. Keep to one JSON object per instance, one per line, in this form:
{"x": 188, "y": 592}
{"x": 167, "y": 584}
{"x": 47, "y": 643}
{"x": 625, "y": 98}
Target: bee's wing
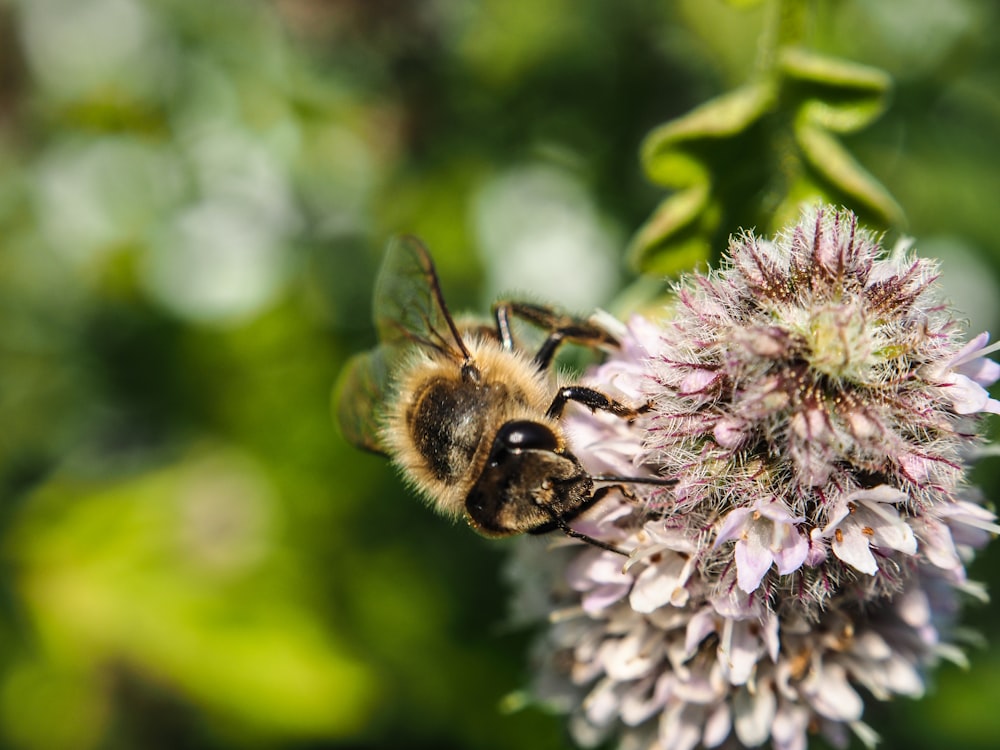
{"x": 359, "y": 396}
{"x": 409, "y": 306}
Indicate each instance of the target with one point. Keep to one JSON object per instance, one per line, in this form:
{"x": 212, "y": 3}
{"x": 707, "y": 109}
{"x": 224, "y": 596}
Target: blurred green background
{"x": 194, "y": 197}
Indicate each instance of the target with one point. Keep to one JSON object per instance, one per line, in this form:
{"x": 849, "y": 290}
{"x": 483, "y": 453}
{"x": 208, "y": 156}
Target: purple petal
{"x": 793, "y": 553}
{"x": 981, "y": 370}
{"x": 778, "y": 512}
{"x": 729, "y": 433}
{"x": 752, "y": 561}
{"x": 817, "y": 548}
{"x": 938, "y": 546}
{"x": 732, "y": 525}
{"x": 697, "y": 381}
{"x": 603, "y": 596}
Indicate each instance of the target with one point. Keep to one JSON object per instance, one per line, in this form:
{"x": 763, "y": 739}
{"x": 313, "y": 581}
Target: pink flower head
{"x": 814, "y": 400}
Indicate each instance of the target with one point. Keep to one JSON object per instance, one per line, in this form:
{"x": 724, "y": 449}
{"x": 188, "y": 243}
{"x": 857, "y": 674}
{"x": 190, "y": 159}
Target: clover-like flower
{"x": 815, "y": 400}
{"x": 767, "y": 535}
{"x": 867, "y": 519}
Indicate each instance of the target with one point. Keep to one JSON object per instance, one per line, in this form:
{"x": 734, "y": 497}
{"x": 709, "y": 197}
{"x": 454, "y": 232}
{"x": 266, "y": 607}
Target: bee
{"x": 470, "y": 418}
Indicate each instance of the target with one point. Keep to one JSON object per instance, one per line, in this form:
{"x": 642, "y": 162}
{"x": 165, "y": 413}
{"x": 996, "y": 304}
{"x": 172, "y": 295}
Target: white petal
{"x": 938, "y": 546}
{"x": 698, "y": 628}
{"x": 640, "y": 702}
{"x": 679, "y": 729}
{"x": 655, "y": 586}
{"x": 868, "y": 736}
{"x": 631, "y": 657}
{"x": 769, "y": 633}
{"x": 790, "y": 725}
{"x": 594, "y": 566}
{"x": 852, "y": 548}
{"x": 738, "y": 651}
{"x": 601, "y": 704}
{"x": 832, "y": 695}
{"x": 903, "y": 678}
{"x": 753, "y": 715}
{"x": 966, "y": 396}
{"x": 871, "y": 646}
{"x": 718, "y": 726}
{"x": 914, "y": 608}
{"x": 883, "y": 493}
{"x": 892, "y": 531}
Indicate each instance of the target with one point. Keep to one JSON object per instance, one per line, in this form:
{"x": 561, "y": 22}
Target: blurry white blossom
{"x": 814, "y": 399}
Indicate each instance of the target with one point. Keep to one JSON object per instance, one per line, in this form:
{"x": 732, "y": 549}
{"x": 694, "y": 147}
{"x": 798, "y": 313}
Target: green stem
{"x": 785, "y": 23}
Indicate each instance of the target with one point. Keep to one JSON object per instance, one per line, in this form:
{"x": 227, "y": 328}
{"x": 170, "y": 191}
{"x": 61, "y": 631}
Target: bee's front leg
{"x": 560, "y": 327}
{"x": 593, "y": 400}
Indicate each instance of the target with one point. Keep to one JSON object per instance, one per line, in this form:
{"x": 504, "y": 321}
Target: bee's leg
{"x": 593, "y": 400}
{"x": 620, "y": 482}
{"x": 501, "y": 314}
{"x": 569, "y": 531}
{"x": 560, "y": 327}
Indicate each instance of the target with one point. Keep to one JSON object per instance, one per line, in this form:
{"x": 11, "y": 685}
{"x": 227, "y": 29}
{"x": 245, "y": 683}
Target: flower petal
{"x": 793, "y": 553}
{"x": 718, "y": 726}
{"x": 851, "y": 545}
{"x": 752, "y": 561}
{"x": 732, "y": 525}
{"x": 753, "y": 714}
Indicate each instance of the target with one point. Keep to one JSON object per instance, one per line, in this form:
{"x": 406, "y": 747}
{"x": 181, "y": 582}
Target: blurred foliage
{"x": 787, "y": 120}
{"x": 193, "y": 201}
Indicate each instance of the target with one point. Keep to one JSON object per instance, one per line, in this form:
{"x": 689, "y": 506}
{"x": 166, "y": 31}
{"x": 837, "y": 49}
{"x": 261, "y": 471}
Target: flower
{"x": 814, "y": 400}
{"x": 767, "y": 535}
{"x": 868, "y": 519}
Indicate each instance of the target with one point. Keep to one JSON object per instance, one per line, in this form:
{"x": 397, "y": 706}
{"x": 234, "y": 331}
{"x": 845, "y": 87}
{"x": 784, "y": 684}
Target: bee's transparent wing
{"x": 359, "y": 396}
{"x": 409, "y": 306}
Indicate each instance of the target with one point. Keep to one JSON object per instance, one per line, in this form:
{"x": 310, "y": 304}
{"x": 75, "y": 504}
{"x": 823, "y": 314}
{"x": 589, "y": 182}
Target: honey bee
{"x": 470, "y": 418}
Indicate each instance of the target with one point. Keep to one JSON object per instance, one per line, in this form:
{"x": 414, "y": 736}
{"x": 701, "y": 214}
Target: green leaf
{"x": 753, "y": 156}
{"x": 839, "y": 95}
{"x": 674, "y": 237}
{"x": 843, "y": 174}
{"x": 663, "y": 153}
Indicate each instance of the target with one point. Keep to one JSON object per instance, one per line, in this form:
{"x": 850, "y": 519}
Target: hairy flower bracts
{"x": 816, "y": 400}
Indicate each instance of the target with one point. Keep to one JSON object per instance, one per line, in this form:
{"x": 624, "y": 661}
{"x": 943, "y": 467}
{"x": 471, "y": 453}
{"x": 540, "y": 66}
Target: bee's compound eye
{"x": 523, "y": 434}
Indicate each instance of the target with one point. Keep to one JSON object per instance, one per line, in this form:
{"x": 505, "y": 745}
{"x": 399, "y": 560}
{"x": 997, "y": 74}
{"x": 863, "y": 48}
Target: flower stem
{"x": 785, "y": 24}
